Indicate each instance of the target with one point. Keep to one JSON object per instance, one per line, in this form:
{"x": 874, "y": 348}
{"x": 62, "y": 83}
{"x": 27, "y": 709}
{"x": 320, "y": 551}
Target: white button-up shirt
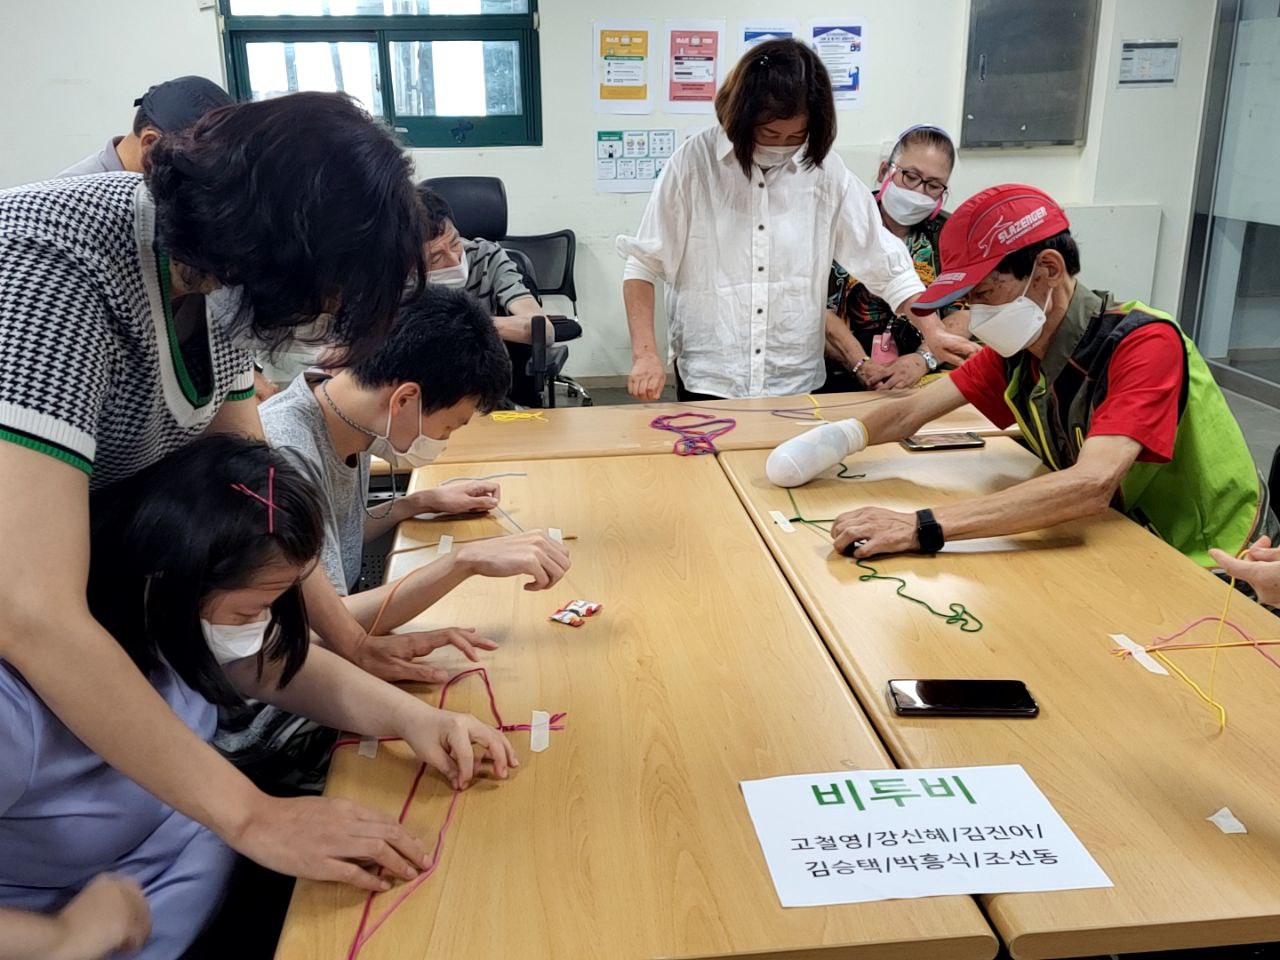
{"x": 746, "y": 262}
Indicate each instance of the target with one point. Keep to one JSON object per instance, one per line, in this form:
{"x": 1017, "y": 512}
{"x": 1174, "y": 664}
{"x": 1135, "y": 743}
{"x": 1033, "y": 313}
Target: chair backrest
{"x": 552, "y": 255}
{"x": 527, "y": 274}
{"x": 479, "y": 205}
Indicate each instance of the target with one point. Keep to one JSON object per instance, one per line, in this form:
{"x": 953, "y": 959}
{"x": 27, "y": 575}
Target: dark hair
{"x": 166, "y": 538}
{"x": 924, "y": 135}
{"x": 438, "y": 211}
{"x": 141, "y": 121}
{"x": 303, "y": 200}
{"x": 445, "y": 342}
{"x": 777, "y": 80}
{"x": 1021, "y": 262}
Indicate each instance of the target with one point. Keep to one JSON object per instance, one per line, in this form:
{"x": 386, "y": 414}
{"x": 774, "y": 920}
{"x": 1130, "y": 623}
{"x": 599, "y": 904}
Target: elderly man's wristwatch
{"x": 930, "y": 360}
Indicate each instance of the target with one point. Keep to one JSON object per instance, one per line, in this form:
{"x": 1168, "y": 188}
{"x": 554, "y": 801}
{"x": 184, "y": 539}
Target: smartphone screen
{"x": 962, "y": 698}
{"x": 944, "y": 441}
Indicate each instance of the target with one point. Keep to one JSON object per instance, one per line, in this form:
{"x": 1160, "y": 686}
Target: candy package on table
{"x": 573, "y": 612}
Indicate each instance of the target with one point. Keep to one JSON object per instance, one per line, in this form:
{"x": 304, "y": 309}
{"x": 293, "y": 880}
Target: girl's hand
{"x": 448, "y": 742}
{"x": 109, "y": 915}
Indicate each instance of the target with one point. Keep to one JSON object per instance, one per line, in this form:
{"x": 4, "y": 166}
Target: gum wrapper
{"x": 567, "y": 616}
{"x": 583, "y": 608}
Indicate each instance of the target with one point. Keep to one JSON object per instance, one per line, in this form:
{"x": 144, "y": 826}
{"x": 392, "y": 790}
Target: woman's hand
{"x": 904, "y": 372}
{"x": 648, "y": 377}
{"x": 456, "y": 744}
{"x": 326, "y": 838}
{"x": 1260, "y": 568}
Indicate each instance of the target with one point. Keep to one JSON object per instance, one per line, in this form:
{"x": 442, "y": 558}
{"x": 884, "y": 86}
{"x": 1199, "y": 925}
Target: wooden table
{"x": 624, "y": 428}
{"x": 629, "y": 837}
{"x": 1132, "y": 761}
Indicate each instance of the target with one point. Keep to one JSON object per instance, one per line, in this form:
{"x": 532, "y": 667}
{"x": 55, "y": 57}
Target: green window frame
{"x": 523, "y": 129}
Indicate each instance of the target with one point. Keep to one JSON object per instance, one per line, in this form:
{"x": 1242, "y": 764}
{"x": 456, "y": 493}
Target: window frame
{"x": 524, "y": 129}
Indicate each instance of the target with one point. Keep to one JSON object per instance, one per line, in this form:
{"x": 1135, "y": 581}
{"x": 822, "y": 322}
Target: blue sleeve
{"x": 17, "y": 737}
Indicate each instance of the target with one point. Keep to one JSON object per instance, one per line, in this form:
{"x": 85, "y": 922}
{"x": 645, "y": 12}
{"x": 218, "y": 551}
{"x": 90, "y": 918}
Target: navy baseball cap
{"x": 174, "y": 105}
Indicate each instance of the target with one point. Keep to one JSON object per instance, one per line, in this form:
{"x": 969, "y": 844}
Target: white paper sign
{"x": 629, "y": 161}
{"x": 755, "y": 32}
{"x": 858, "y": 836}
{"x": 839, "y": 46}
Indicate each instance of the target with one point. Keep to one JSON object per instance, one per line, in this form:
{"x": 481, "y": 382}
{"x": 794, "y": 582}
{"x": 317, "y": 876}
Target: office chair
{"x": 480, "y": 210}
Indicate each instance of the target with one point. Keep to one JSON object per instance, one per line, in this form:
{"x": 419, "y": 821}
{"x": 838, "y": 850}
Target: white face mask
{"x": 422, "y": 451}
{"x": 455, "y": 276}
{"x": 906, "y": 207}
{"x": 774, "y": 156}
{"x": 1009, "y": 328}
{"x": 289, "y": 362}
{"x": 230, "y": 642}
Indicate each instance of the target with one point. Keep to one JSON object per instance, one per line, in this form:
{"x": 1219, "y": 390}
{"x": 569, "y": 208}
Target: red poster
{"x": 692, "y": 74}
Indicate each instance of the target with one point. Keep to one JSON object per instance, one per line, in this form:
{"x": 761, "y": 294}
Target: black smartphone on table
{"x": 944, "y": 441}
{"x": 962, "y": 698}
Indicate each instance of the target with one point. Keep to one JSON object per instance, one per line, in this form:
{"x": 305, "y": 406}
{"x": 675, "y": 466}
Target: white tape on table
{"x": 1226, "y": 821}
{"x": 1139, "y": 654}
{"x": 780, "y": 519}
{"x": 445, "y": 544}
{"x": 540, "y": 731}
{"x": 368, "y": 747}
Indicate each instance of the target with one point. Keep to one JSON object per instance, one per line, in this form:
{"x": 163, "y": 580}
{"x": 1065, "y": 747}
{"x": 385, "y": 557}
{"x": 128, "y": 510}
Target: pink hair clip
{"x": 269, "y": 502}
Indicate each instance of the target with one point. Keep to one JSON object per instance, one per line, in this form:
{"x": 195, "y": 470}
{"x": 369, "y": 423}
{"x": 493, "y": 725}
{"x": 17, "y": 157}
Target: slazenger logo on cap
{"x": 1007, "y": 232}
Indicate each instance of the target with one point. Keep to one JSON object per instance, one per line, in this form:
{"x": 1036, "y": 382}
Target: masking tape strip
{"x": 556, "y": 534}
{"x": 780, "y": 519}
{"x": 368, "y": 747}
{"x": 1140, "y": 655}
{"x": 1226, "y": 821}
{"x": 445, "y": 544}
{"x": 540, "y": 731}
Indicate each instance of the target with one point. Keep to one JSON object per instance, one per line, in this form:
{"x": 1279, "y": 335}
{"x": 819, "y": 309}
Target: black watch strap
{"x": 929, "y": 532}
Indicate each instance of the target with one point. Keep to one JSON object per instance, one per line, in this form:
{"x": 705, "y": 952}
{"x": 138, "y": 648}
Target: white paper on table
{"x": 990, "y": 828}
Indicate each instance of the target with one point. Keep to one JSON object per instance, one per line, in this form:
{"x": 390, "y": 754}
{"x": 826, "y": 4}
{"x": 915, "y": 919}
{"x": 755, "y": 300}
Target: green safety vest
{"x": 1209, "y": 495}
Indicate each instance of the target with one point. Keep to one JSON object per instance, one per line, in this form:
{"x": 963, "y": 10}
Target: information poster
{"x": 858, "y": 836}
{"x": 692, "y": 65}
{"x": 629, "y": 161}
{"x": 1148, "y": 63}
{"x": 756, "y": 32}
{"x": 623, "y": 67}
{"x": 839, "y": 46}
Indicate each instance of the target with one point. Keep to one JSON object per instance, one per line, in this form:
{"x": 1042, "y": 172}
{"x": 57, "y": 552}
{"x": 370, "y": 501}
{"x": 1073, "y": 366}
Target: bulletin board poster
{"x": 623, "y": 67}
{"x": 630, "y": 161}
{"x": 692, "y": 65}
{"x": 839, "y": 46}
{"x": 755, "y": 32}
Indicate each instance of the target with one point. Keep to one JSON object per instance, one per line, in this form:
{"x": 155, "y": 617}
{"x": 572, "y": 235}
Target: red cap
{"x": 983, "y": 231}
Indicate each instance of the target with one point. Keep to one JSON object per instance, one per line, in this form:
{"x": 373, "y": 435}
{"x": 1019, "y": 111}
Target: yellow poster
{"x": 623, "y": 65}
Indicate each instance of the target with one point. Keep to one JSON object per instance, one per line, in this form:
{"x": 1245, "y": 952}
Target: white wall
{"x": 68, "y": 82}
{"x": 71, "y": 70}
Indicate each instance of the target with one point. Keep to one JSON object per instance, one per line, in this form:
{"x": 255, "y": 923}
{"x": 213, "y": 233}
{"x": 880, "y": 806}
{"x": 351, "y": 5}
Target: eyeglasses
{"x": 914, "y": 180}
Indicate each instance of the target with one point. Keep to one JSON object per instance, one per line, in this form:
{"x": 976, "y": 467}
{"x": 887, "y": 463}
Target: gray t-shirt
{"x": 493, "y": 277}
{"x": 105, "y": 160}
{"x": 294, "y": 425}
